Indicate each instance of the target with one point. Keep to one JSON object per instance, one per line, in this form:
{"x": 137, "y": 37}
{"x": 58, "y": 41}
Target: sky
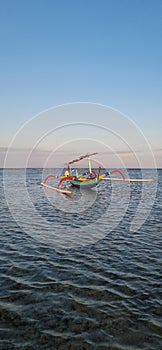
{"x": 106, "y": 52}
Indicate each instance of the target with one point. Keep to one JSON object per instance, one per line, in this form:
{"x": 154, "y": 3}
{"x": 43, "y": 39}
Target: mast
{"x": 89, "y": 165}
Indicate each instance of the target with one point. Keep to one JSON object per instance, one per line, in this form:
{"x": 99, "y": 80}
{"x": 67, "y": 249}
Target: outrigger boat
{"x": 85, "y": 180}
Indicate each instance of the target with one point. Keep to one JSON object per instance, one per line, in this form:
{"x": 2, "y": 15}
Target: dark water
{"x": 104, "y": 294}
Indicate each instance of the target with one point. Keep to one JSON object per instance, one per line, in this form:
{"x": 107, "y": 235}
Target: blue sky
{"x": 107, "y": 52}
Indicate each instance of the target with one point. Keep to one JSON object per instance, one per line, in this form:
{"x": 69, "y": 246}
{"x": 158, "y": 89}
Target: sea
{"x": 80, "y": 272}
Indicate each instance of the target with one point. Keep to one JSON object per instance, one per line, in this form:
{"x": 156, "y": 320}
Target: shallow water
{"x": 74, "y": 275}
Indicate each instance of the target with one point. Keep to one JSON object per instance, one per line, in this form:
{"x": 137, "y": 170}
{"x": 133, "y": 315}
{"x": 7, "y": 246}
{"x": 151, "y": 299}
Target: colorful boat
{"x": 85, "y": 180}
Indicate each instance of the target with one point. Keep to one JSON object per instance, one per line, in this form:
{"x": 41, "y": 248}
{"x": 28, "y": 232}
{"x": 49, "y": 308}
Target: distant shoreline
{"x": 77, "y": 168}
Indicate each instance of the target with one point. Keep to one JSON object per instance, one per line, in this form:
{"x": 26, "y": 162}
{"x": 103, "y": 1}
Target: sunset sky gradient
{"x": 107, "y": 52}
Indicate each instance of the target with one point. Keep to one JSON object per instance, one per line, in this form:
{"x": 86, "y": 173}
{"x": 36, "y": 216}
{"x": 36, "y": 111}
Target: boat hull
{"x": 85, "y": 184}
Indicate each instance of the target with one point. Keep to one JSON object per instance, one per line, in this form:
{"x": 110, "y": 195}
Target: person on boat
{"x": 67, "y": 173}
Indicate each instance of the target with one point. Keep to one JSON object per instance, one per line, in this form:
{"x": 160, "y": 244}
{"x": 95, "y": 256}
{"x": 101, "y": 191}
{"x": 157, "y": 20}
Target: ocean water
{"x": 83, "y": 272}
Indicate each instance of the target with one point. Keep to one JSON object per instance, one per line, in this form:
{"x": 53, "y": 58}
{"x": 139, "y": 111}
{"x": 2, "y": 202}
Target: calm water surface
{"x": 101, "y": 295}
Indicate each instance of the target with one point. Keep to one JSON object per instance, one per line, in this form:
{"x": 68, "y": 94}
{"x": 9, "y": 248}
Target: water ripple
{"x": 104, "y": 296}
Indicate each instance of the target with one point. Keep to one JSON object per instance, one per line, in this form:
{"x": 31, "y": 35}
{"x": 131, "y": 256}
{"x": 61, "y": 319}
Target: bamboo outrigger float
{"x": 87, "y": 179}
